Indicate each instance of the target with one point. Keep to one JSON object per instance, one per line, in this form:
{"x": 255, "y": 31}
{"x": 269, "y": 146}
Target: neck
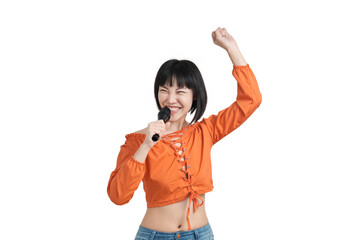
{"x": 176, "y": 126}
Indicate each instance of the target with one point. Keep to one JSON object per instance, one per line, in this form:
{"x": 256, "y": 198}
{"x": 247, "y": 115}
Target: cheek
{"x": 161, "y": 98}
{"x": 188, "y": 101}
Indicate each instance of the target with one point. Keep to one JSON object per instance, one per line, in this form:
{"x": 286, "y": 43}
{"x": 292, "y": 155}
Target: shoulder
{"x": 138, "y": 135}
{"x": 142, "y": 131}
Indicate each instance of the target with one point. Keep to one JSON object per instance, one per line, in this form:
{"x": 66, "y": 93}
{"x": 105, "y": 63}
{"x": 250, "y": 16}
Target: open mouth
{"x": 174, "y": 110}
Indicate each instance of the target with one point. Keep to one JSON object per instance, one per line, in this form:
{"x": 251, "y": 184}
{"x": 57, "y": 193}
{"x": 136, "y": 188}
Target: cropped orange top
{"x": 179, "y": 165}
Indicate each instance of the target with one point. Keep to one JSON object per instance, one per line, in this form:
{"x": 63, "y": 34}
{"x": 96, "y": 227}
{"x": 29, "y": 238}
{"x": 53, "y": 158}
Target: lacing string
{"x": 174, "y": 139}
{"x": 193, "y": 197}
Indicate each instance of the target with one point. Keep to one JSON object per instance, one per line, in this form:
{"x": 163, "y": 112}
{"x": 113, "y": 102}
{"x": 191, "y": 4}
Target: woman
{"x": 176, "y": 169}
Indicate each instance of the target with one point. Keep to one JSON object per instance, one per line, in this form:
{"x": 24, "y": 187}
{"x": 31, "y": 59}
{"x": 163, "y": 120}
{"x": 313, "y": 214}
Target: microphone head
{"x": 164, "y": 114}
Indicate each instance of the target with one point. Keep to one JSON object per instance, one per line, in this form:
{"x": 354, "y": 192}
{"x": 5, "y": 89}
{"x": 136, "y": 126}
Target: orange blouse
{"x": 179, "y": 165}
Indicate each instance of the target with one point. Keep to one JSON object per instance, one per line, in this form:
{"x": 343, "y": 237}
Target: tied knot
{"x": 193, "y": 197}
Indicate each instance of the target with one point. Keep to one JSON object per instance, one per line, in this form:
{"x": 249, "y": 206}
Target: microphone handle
{"x": 164, "y": 115}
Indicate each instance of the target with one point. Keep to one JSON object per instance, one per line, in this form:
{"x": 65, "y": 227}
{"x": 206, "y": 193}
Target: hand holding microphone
{"x": 153, "y": 132}
{"x": 164, "y": 115}
{"x": 157, "y": 128}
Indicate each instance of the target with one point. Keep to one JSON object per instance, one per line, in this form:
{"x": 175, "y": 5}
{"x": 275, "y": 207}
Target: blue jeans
{"x": 203, "y": 233}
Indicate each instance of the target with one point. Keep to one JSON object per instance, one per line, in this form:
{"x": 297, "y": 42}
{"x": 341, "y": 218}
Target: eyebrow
{"x": 176, "y": 89}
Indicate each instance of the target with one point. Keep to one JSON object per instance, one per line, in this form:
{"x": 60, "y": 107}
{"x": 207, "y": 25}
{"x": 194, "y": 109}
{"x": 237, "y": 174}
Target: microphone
{"x": 164, "y": 115}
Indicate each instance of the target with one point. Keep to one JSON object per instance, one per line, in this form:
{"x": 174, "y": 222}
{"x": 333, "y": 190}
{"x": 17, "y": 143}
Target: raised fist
{"x": 223, "y": 39}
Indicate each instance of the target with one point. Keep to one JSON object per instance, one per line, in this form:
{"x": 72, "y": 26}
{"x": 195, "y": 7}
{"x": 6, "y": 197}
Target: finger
{"x": 156, "y": 129}
{"x": 213, "y": 37}
{"x": 223, "y": 32}
{"x": 218, "y": 33}
{"x": 159, "y": 123}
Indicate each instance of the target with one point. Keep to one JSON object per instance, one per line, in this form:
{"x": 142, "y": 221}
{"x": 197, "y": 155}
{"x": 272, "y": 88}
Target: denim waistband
{"x": 199, "y": 233}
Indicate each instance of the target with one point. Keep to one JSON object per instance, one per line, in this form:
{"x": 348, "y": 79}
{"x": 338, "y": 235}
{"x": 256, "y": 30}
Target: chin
{"x": 174, "y": 119}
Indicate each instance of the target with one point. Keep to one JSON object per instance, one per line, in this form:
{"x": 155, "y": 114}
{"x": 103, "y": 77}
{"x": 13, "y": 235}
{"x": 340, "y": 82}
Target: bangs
{"x": 180, "y": 76}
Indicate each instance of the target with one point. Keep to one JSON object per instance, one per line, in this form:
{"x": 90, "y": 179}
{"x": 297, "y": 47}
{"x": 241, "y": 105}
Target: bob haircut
{"x": 186, "y": 74}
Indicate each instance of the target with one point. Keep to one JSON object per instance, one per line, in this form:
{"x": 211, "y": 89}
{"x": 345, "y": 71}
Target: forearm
{"x": 126, "y": 177}
{"x": 236, "y": 57}
{"x": 142, "y": 153}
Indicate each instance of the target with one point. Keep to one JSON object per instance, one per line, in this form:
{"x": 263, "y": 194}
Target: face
{"x": 179, "y": 100}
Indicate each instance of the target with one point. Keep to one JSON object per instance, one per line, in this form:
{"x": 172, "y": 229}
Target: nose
{"x": 171, "y": 98}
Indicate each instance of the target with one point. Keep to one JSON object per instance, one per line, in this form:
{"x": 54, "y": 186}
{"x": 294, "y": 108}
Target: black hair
{"x": 186, "y": 74}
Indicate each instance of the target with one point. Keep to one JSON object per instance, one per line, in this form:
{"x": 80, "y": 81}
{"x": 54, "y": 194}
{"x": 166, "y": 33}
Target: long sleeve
{"x": 247, "y": 100}
{"x": 126, "y": 177}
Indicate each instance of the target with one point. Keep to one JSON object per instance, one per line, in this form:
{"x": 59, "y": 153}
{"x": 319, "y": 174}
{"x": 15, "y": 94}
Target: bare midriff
{"x": 172, "y": 218}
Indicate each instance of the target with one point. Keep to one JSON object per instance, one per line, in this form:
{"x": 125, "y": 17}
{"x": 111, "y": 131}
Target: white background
{"x": 76, "y": 76}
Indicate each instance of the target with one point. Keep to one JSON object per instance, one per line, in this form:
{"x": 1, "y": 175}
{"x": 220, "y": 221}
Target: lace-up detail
{"x": 181, "y": 153}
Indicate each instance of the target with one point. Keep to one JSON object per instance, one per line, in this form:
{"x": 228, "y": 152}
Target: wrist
{"x": 145, "y": 147}
{"x": 141, "y": 154}
{"x": 232, "y": 48}
{"x": 236, "y": 57}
